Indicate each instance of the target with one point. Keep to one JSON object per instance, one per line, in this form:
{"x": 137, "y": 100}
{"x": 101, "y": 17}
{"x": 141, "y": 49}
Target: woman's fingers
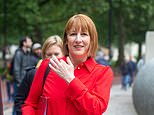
{"x": 54, "y": 58}
{"x": 69, "y": 61}
{"x": 53, "y": 63}
{"x": 52, "y": 67}
{"x": 61, "y": 65}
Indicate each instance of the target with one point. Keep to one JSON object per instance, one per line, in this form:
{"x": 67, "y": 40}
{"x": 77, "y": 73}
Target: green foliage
{"x": 1, "y": 70}
{"x": 138, "y": 16}
{"x": 42, "y": 18}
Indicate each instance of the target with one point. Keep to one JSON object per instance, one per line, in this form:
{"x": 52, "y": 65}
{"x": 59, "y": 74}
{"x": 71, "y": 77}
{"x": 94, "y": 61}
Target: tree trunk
{"x": 139, "y": 50}
{"x": 37, "y": 34}
{"x": 122, "y": 36}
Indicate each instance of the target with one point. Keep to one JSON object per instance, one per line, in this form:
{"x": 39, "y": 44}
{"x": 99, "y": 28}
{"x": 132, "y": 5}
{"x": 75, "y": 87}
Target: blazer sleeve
{"x": 30, "y": 105}
{"x": 91, "y": 101}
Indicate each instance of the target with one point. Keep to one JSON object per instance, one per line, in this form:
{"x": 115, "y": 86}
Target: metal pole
{"x": 110, "y": 29}
{"x": 1, "y": 104}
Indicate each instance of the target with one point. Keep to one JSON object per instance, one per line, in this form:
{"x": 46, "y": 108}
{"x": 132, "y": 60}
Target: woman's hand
{"x": 63, "y": 69}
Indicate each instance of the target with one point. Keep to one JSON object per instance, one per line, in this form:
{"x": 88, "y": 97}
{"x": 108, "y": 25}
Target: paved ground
{"x": 120, "y": 102}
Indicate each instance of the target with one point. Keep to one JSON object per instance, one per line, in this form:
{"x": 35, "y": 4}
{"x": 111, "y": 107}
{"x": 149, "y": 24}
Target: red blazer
{"x": 87, "y": 94}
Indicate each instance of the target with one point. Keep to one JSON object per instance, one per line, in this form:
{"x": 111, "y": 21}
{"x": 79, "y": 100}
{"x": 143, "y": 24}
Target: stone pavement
{"x": 120, "y": 102}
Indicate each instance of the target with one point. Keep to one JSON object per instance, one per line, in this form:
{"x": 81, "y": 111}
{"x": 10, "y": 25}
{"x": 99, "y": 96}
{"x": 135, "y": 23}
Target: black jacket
{"x": 21, "y": 61}
{"x": 23, "y": 89}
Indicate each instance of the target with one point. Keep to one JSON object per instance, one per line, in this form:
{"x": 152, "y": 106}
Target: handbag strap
{"x": 45, "y": 75}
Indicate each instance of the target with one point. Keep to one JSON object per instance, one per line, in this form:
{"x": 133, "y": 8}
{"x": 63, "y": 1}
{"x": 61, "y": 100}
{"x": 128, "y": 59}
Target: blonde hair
{"x": 50, "y": 41}
{"x": 86, "y": 24}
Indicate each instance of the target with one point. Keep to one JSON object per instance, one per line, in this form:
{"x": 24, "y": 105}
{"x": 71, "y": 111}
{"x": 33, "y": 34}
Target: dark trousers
{"x": 14, "y": 93}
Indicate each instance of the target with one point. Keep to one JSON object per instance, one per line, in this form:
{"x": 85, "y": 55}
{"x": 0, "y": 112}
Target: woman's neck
{"x": 77, "y": 60}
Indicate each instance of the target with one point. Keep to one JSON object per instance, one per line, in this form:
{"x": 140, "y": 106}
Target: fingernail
{"x": 53, "y": 57}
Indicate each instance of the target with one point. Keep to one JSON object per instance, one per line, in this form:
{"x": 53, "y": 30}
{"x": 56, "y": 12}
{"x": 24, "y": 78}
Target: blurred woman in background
{"x": 52, "y": 46}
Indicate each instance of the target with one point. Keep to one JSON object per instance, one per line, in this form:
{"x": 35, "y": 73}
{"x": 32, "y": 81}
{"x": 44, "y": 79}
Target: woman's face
{"x": 54, "y": 50}
{"x": 78, "y": 43}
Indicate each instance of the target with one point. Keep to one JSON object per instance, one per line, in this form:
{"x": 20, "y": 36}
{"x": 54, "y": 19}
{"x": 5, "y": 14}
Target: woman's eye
{"x": 84, "y": 34}
{"x": 48, "y": 55}
{"x": 73, "y": 34}
{"x": 56, "y": 54}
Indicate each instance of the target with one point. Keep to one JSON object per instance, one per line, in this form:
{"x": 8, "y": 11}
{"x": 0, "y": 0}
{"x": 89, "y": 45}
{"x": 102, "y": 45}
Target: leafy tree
{"x": 131, "y": 21}
{"x": 42, "y": 18}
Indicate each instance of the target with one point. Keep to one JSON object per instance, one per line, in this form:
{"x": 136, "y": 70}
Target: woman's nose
{"x": 78, "y": 37}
